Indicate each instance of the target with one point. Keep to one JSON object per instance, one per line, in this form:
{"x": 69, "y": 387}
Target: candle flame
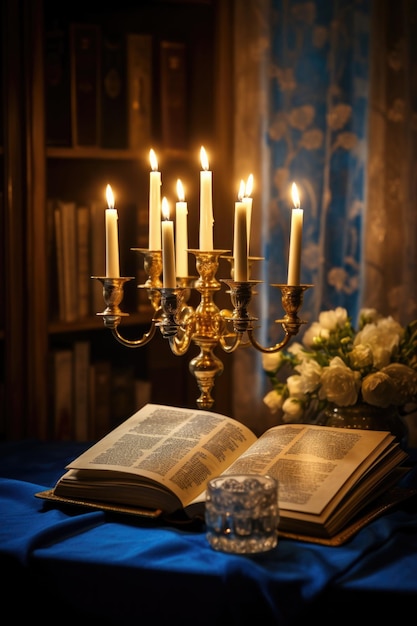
{"x": 180, "y": 191}
{"x": 165, "y": 208}
{"x": 249, "y": 186}
{"x": 153, "y": 160}
{"x": 204, "y": 159}
{"x": 241, "y": 192}
{"x": 295, "y": 196}
{"x": 109, "y": 197}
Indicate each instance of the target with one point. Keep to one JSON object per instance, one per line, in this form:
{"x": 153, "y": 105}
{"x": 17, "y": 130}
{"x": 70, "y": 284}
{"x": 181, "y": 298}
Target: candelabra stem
{"x": 209, "y": 326}
{"x": 205, "y": 368}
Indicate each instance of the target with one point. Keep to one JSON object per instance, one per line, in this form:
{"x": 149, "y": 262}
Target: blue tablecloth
{"x": 123, "y": 570}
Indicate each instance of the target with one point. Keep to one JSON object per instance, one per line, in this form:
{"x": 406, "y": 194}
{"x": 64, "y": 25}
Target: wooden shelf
{"x": 102, "y": 153}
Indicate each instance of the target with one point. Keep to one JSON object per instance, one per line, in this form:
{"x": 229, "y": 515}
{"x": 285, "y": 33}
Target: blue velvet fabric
{"x": 124, "y": 570}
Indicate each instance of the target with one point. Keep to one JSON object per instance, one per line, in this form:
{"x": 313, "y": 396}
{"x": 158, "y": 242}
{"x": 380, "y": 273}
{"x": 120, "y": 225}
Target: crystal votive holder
{"x": 241, "y": 513}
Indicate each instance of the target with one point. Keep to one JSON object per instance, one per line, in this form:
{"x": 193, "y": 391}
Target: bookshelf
{"x": 36, "y": 172}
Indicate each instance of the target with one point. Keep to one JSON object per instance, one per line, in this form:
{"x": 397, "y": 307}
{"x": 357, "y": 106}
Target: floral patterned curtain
{"x": 326, "y": 97}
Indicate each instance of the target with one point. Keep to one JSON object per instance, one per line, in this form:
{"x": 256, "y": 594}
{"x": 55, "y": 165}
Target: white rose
{"x": 293, "y": 410}
{"x": 379, "y": 389}
{"x": 382, "y": 338}
{"x": 361, "y": 356}
{"x": 295, "y": 385}
{"x": 368, "y": 316}
{"x": 297, "y": 349}
{"x": 405, "y": 381}
{"x": 334, "y": 318}
{"x": 340, "y": 384}
{"x": 271, "y": 361}
{"x": 313, "y": 331}
{"x": 310, "y": 372}
{"x": 273, "y": 401}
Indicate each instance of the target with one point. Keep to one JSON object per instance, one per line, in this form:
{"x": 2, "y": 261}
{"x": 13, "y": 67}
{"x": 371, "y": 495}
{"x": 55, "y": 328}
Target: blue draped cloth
{"x": 119, "y": 570}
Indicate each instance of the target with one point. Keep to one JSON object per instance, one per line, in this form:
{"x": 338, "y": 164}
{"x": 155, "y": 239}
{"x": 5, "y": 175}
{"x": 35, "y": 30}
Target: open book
{"x": 160, "y": 460}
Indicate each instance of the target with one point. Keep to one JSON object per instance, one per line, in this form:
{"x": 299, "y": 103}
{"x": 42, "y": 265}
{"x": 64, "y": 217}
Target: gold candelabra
{"x": 205, "y": 325}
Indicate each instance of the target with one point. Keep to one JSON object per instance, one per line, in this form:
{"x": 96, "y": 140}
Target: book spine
{"x": 60, "y": 283}
{"x": 139, "y": 89}
{"x": 63, "y": 394}
{"x": 122, "y": 394}
{"x": 81, "y": 390}
{"x": 57, "y": 87}
{"x": 85, "y": 84}
{"x": 173, "y": 95}
{"x": 83, "y": 260}
{"x": 68, "y": 243}
{"x": 113, "y": 92}
{"x": 101, "y": 400}
{"x": 54, "y": 298}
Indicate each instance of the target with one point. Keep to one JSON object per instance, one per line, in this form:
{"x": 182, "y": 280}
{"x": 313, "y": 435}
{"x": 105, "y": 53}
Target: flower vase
{"x": 367, "y": 417}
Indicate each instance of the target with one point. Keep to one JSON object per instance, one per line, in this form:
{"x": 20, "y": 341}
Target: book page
{"x": 313, "y": 465}
{"x": 179, "y": 448}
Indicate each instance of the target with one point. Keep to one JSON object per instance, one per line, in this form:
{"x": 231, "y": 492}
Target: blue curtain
{"x": 326, "y": 97}
{"x": 317, "y": 135}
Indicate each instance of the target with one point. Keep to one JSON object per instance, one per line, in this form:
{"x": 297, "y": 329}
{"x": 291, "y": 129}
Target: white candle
{"x": 240, "y": 272}
{"x": 206, "y": 204}
{"x": 294, "y": 260}
{"x": 112, "y": 237}
{"x": 168, "y": 255}
{"x": 240, "y": 195}
{"x": 154, "y": 204}
{"x": 247, "y": 200}
{"x": 181, "y": 233}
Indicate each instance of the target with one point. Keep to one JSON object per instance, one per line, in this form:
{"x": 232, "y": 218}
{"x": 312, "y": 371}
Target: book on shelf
{"x": 173, "y": 91}
{"x": 83, "y": 259}
{"x": 62, "y": 375}
{"x": 158, "y": 462}
{"x": 57, "y": 86}
{"x": 85, "y": 84}
{"x": 100, "y": 382}
{"x": 122, "y": 401}
{"x": 66, "y": 252}
{"x": 113, "y": 91}
{"x": 57, "y": 268}
{"x": 139, "y": 90}
{"x": 81, "y": 373}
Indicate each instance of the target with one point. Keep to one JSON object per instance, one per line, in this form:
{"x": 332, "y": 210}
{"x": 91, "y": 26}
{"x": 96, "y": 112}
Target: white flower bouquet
{"x": 338, "y": 365}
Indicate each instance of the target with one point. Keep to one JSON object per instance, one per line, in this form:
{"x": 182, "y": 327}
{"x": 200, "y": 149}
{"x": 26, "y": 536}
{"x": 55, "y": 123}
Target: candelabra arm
{"x": 230, "y": 346}
{"x": 292, "y": 299}
{"x": 276, "y": 348}
{"x": 136, "y": 343}
{"x": 180, "y": 343}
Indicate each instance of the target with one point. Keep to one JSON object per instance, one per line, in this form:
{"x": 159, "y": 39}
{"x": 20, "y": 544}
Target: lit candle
{"x": 294, "y": 260}
{"x": 112, "y": 237}
{"x": 240, "y": 195}
{"x": 247, "y": 200}
{"x": 154, "y": 204}
{"x": 168, "y": 260}
{"x": 206, "y": 204}
{"x": 181, "y": 232}
{"x": 240, "y": 271}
